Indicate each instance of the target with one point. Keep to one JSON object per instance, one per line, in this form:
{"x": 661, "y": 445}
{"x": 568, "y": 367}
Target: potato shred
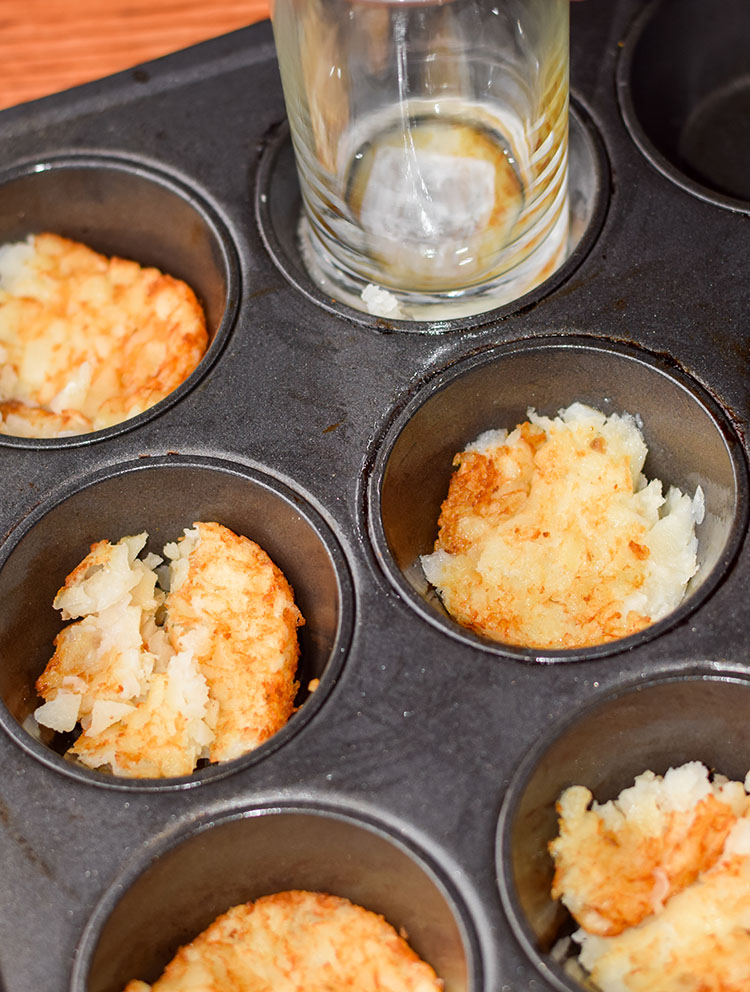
{"x": 296, "y": 942}
{"x": 160, "y": 678}
{"x": 659, "y": 881}
{"x": 87, "y": 341}
{"x": 551, "y": 536}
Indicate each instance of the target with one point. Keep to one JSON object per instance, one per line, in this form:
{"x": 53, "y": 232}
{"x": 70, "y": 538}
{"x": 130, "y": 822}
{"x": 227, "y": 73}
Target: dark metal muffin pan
{"x": 419, "y": 777}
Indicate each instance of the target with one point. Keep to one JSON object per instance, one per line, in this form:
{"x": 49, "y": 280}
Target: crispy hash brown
{"x": 699, "y": 943}
{"x": 296, "y": 942}
{"x": 87, "y": 341}
{"x": 237, "y": 608}
{"x": 551, "y": 537}
{"x": 659, "y": 880}
{"x": 159, "y": 680}
{"x": 617, "y": 863}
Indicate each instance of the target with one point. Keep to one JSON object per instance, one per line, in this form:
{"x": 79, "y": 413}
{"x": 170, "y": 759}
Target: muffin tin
{"x": 419, "y": 777}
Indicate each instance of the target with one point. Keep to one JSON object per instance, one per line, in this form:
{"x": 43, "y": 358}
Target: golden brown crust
{"x": 243, "y": 609}
{"x": 538, "y": 555}
{"x": 214, "y": 680}
{"x": 616, "y": 873}
{"x": 104, "y": 335}
{"x": 659, "y": 881}
{"x": 22, "y": 420}
{"x": 486, "y": 489}
{"x": 715, "y": 962}
{"x": 297, "y": 942}
{"x": 699, "y": 942}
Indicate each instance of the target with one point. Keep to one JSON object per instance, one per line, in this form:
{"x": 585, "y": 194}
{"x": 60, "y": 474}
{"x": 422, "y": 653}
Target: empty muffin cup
{"x": 164, "y": 496}
{"x": 125, "y": 209}
{"x": 690, "y": 444}
{"x": 146, "y": 917}
{"x": 684, "y": 86}
{"x": 653, "y": 726}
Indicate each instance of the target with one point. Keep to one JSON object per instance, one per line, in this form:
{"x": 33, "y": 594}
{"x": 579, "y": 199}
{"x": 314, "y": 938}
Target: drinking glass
{"x": 431, "y": 143}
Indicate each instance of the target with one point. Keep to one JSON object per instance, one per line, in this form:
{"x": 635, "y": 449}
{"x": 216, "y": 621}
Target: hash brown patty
{"x": 296, "y": 942}
{"x": 159, "y": 680}
{"x": 87, "y": 341}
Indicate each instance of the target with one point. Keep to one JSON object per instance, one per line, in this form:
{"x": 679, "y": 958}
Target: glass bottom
{"x": 391, "y": 303}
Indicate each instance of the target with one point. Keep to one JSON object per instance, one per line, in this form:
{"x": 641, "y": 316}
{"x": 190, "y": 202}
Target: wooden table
{"x": 50, "y": 45}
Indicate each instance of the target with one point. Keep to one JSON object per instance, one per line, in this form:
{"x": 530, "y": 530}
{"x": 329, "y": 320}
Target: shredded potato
{"x": 659, "y": 881}
{"x": 551, "y": 537}
{"x": 87, "y": 341}
{"x": 296, "y": 942}
{"x": 159, "y": 680}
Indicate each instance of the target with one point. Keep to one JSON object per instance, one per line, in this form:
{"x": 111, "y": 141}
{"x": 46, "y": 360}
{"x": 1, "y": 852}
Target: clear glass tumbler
{"x": 431, "y": 141}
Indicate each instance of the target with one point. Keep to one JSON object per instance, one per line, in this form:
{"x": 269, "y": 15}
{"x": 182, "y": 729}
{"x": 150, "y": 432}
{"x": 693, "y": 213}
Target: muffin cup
{"x": 655, "y": 725}
{"x": 278, "y": 206}
{"x": 145, "y": 917}
{"x": 132, "y": 211}
{"x": 684, "y": 91}
{"x": 689, "y": 439}
{"x": 163, "y": 497}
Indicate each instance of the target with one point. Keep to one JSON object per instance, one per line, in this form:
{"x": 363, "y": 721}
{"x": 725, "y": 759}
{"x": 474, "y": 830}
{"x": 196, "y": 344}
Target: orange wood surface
{"x": 50, "y": 45}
